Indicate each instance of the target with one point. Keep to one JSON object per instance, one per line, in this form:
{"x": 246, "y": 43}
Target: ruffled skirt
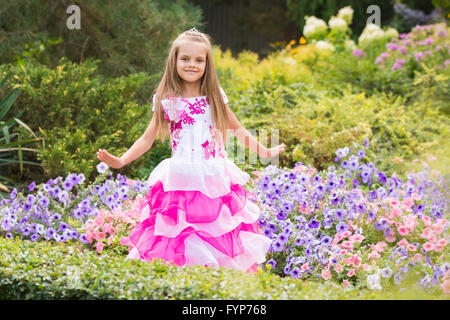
{"x": 186, "y": 227}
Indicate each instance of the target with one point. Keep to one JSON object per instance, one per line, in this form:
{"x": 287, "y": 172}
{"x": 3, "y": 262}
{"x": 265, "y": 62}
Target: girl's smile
{"x": 191, "y": 61}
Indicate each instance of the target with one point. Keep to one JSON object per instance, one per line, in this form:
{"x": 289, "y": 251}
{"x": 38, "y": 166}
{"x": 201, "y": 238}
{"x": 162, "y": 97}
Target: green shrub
{"x": 44, "y": 270}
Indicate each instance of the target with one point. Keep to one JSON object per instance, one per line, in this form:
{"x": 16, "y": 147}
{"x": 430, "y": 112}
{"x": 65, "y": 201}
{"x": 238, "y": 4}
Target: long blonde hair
{"x": 172, "y": 84}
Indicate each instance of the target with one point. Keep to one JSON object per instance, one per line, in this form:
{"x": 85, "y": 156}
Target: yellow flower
{"x": 292, "y": 42}
{"x": 302, "y": 40}
{"x": 294, "y": 51}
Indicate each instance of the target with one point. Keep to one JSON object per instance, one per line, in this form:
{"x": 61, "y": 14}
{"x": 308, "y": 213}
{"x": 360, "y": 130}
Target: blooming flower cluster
{"x": 424, "y": 44}
{"x": 373, "y": 32}
{"x": 314, "y": 26}
{"x": 56, "y": 210}
{"x": 108, "y": 227}
{"x": 346, "y": 222}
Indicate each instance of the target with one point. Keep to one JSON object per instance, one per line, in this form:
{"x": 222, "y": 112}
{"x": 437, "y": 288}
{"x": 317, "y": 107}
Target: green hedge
{"x": 44, "y": 270}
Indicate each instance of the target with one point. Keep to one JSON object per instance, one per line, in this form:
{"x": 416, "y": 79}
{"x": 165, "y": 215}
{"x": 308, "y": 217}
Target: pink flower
{"x": 446, "y": 286}
{"x": 345, "y": 234}
{"x": 99, "y": 236}
{"x": 256, "y": 173}
{"x": 338, "y": 268}
{"x": 107, "y": 227}
{"x": 99, "y": 246}
{"x": 357, "y": 238}
{"x": 397, "y": 212}
{"x": 426, "y": 221}
{"x": 374, "y": 255}
{"x": 412, "y": 247}
{"x": 393, "y": 202}
{"x": 347, "y": 244}
{"x": 416, "y": 196}
{"x": 428, "y": 246}
{"x": 345, "y": 283}
{"x": 441, "y": 242}
{"x": 402, "y": 231}
{"x": 304, "y": 267}
{"x": 351, "y": 272}
{"x": 326, "y": 274}
{"x": 403, "y": 243}
{"x": 418, "y": 256}
{"x": 391, "y": 238}
{"x": 356, "y": 261}
{"x": 365, "y": 267}
{"x": 438, "y": 229}
{"x": 347, "y": 261}
{"x": 99, "y": 221}
{"x": 427, "y": 233}
{"x": 306, "y": 210}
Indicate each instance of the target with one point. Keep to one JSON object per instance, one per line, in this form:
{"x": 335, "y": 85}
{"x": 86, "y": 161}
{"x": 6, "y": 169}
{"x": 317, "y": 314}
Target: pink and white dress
{"x": 197, "y": 211}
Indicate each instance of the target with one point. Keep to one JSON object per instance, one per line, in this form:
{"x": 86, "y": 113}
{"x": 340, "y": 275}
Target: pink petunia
{"x": 402, "y": 230}
{"x": 326, "y": 274}
{"x": 338, "y": 268}
{"x": 304, "y": 267}
{"x": 418, "y": 256}
{"x": 403, "y": 243}
{"x": 428, "y": 246}
{"x": 347, "y": 245}
{"x": 374, "y": 255}
{"x": 441, "y": 242}
{"x": 445, "y": 286}
{"x": 99, "y": 246}
{"x": 412, "y": 247}
{"x": 99, "y": 220}
{"x": 416, "y": 196}
{"x": 357, "y": 238}
{"x": 393, "y": 202}
{"x": 345, "y": 283}
{"x": 347, "y": 261}
{"x": 366, "y": 267}
{"x": 391, "y": 238}
{"x": 356, "y": 261}
{"x": 397, "y": 212}
{"x": 426, "y": 220}
{"x": 351, "y": 273}
{"x": 438, "y": 229}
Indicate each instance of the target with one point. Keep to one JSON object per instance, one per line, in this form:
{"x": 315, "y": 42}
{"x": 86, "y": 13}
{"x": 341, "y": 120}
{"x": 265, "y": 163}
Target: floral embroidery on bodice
{"x": 191, "y": 130}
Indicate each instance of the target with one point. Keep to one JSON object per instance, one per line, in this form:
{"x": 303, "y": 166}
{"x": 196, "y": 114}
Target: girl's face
{"x": 191, "y": 61}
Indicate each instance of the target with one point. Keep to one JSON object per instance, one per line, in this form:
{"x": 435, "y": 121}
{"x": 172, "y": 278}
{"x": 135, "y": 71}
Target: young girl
{"x": 196, "y": 212}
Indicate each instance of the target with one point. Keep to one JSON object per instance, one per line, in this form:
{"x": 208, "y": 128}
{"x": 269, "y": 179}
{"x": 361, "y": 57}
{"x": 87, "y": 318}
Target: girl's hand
{"x": 276, "y": 150}
{"x": 109, "y": 159}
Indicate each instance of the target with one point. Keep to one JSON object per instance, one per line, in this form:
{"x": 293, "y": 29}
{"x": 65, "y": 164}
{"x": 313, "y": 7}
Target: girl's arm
{"x": 248, "y": 140}
{"x": 141, "y": 146}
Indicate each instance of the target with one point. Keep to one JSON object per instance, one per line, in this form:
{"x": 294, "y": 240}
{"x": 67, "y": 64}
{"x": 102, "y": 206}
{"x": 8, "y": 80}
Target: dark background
{"x": 255, "y": 24}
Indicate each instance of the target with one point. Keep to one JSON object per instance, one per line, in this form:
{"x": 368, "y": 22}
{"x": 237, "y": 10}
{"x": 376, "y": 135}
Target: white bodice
{"x": 192, "y": 133}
